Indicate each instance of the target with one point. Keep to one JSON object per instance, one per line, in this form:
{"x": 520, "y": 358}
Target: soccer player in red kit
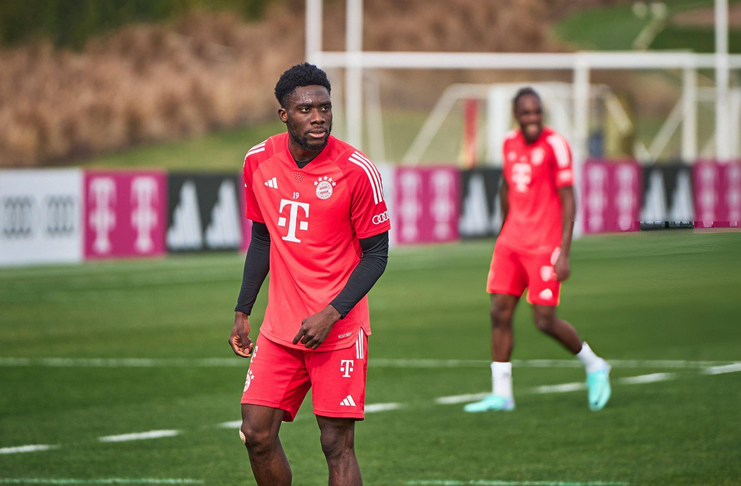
{"x": 532, "y": 251}
{"x": 320, "y": 227}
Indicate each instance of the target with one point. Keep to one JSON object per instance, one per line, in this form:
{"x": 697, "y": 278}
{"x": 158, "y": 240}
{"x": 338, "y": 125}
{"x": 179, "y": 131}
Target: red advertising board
{"x": 717, "y": 194}
{"x": 611, "y": 196}
{"x": 125, "y": 214}
{"x": 426, "y": 205}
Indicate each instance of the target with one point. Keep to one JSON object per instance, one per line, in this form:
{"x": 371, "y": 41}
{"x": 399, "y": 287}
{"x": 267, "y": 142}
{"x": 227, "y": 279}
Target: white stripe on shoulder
{"x": 560, "y": 149}
{"x": 374, "y": 171}
{"x": 511, "y": 134}
{"x": 366, "y": 166}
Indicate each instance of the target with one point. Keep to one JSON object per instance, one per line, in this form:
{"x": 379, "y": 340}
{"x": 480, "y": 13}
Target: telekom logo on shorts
{"x": 346, "y": 367}
{"x": 293, "y": 215}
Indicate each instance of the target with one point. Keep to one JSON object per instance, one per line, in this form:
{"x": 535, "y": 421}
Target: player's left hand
{"x": 562, "y": 268}
{"x": 315, "y": 328}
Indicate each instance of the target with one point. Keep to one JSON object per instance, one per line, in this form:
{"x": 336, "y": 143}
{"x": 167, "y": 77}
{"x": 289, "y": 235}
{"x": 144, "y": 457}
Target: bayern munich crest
{"x": 324, "y": 187}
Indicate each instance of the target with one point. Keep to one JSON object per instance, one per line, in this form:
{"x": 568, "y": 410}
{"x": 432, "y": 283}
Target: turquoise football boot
{"x": 492, "y": 403}
{"x": 598, "y": 383}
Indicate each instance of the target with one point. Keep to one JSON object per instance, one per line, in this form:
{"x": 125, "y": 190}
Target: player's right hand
{"x": 240, "y": 340}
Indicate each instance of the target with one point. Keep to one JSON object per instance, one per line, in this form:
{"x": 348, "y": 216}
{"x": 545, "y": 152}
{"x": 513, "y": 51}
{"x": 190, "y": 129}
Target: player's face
{"x": 308, "y": 117}
{"x": 529, "y": 114}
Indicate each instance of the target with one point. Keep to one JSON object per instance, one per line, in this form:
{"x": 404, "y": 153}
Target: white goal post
{"x": 354, "y": 60}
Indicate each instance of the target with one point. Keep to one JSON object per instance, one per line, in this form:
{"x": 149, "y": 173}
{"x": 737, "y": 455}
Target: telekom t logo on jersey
{"x": 293, "y": 218}
{"x": 521, "y": 176}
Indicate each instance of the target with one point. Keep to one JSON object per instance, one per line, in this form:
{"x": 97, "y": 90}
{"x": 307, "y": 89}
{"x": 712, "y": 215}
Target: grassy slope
{"x": 615, "y": 28}
{"x": 663, "y": 295}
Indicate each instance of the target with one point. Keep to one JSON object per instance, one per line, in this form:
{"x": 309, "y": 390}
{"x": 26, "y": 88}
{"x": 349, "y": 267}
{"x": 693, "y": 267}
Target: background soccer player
{"x": 320, "y": 226}
{"x": 532, "y": 250}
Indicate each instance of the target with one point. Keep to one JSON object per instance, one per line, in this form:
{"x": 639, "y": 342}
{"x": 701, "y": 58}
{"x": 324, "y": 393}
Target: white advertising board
{"x": 40, "y": 216}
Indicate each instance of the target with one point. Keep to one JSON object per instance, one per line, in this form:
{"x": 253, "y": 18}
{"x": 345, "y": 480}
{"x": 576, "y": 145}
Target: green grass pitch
{"x": 662, "y": 296}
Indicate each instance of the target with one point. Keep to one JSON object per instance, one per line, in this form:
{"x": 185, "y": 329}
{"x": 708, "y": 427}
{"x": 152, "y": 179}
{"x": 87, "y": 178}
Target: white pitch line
{"x": 152, "y": 434}
{"x": 99, "y": 481}
{"x": 234, "y": 424}
{"x": 382, "y": 407}
{"x": 484, "y": 482}
{"x": 453, "y": 399}
{"x": 563, "y": 388}
{"x": 27, "y": 448}
{"x": 652, "y": 378}
{"x": 719, "y": 370}
{"x": 374, "y": 363}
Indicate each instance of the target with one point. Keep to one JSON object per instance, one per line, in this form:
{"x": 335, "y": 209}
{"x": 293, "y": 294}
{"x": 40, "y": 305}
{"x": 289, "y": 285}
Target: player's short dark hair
{"x": 304, "y": 74}
{"x": 523, "y": 92}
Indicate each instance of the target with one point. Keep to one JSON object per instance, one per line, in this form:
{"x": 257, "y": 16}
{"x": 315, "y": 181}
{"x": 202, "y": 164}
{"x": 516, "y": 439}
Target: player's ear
{"x": 283, "y": 114}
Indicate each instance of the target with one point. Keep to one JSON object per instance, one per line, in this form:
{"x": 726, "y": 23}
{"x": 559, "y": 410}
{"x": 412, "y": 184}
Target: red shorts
{"x": 512, "y": 271}
{"x": 279, "y": 377}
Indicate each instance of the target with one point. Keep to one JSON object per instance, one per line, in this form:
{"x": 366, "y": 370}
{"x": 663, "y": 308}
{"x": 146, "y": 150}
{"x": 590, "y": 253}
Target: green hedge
{"x": 72, "y": 22}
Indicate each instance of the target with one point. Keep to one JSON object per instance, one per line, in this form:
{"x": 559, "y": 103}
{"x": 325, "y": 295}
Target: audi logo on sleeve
{"x": 381, "y": 218}
{"x": 17, "y": 216}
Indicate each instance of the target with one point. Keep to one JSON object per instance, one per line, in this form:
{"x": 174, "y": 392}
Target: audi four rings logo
{"x": 60, "y": 215}
{"x": 19, "y": 215}
{"x": 17, "y": 219}
{"x": 381, "y": 218}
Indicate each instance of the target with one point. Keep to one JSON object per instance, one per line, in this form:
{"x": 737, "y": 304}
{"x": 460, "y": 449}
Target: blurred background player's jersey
{"x": 534, "y": 174}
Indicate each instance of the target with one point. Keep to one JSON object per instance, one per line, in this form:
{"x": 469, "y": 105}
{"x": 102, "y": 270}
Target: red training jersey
{"x": 315, "y": 217}
{"x": 534, "y": 174}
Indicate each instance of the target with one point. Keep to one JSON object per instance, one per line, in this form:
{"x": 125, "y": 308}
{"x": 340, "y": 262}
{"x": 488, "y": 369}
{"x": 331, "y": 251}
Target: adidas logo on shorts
{"x": 348, "y": 402}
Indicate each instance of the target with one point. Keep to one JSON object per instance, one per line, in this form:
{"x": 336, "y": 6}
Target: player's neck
{"x": 302, "y": 156}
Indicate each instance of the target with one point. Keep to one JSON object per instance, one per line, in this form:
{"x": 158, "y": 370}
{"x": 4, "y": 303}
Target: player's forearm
{"x": 370, "y": 268}
{"x": 256, "y": 268}
{"x": 568, "y": 214}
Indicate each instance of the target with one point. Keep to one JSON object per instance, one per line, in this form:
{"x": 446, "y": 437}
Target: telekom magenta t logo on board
{"x": 102, "y": 217}
{"x": 143, "y": 214}
{"x": 293, "y": 218}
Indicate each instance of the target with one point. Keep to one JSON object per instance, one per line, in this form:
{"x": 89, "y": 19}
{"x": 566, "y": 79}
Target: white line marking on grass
{"x": 27, "y": 448}
{"x": 152, "y": 434}
{"x": 718, "y": 370}
{"x": 99, "y": 481}
{"x": 453, "y": 399}
{"x": 562, "y": 388}
{"x": 381, "y": 407}
{"x": 484, "y": 482}
{"x": 652, "y": 378}
{"x": 234, "y": 424}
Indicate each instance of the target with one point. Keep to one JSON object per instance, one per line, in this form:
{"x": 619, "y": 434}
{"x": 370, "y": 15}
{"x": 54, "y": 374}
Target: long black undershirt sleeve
{"x": 369, "y": 270}
{"x": 256, "y": 267}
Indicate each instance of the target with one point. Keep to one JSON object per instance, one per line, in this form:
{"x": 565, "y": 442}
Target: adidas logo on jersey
{"x": 348, "y": 402}
{"x": 272, "y": 183}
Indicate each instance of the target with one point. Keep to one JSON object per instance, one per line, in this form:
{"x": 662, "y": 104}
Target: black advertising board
{"x": 203, "y": 212}
{"x": 667, "y": 200}
{"x": 481, "y": 212}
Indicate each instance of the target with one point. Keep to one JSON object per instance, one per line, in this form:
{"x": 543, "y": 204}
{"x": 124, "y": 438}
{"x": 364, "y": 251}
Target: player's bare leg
{"x": 597, "y": 369}
{"x": 502, "y": 339}
{"x": 260, "y": 426}
{"x": 560, "y": 330}
{"x": 338, "y": 445}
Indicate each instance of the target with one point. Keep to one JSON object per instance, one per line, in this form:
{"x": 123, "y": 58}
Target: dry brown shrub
{"x": 148, "y": 83}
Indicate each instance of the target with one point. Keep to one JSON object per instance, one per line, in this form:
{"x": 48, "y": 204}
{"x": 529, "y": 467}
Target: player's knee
{"x": 336, "y": 442}
{"x": 501, "y": 316}
{"x": 544, "y": 322}
{"x": 256, "y": 439}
